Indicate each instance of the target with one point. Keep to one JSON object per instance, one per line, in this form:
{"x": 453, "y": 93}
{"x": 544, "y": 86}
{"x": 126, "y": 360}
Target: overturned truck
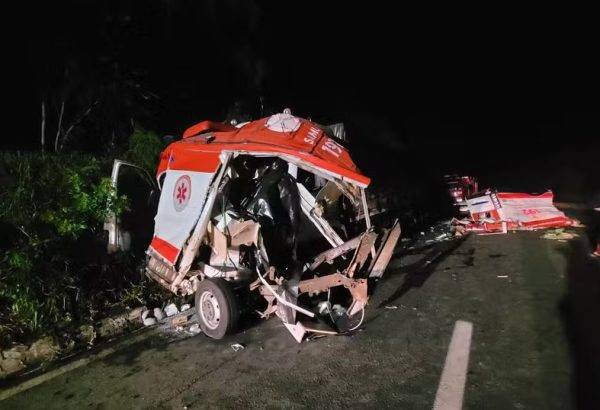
{"x": 269, "y": 216}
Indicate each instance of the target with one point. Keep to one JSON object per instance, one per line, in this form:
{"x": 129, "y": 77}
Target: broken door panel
{"x": 131, "y": 230}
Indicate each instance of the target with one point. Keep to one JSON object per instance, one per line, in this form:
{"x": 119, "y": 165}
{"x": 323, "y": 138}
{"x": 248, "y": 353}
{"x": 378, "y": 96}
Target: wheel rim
{"x": 209, "y": 309}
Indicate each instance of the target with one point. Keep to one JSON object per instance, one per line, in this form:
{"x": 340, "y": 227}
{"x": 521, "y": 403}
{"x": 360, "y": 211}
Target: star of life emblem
{"x": 182, "y": 192}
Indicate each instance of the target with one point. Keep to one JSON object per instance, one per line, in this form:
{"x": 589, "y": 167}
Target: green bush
{"x": 52, "y": 208}
{"x": 144, "y": 149}
{"x": 54, "y": 269}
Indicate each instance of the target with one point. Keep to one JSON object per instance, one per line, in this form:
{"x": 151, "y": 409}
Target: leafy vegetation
{"x": 54, "y": 269}
{"x": 144, "y": 148}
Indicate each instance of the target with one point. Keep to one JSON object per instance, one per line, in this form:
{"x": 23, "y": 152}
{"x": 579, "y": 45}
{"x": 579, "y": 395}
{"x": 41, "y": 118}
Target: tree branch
{"x": 59, "y": 127}
{"x": 77, "y": 122}
{"x": 43, "y": 130}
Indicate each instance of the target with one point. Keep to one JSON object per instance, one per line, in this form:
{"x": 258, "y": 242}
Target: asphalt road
{"x": 534, "y": 305}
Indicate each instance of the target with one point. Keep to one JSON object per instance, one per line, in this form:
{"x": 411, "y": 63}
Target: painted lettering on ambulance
{"x": 312, "y": 135}
{"x": 332, "y": 147}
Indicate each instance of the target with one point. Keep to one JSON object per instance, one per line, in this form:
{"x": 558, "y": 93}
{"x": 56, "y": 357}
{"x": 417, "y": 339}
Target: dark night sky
{"x": 469, "y": 86}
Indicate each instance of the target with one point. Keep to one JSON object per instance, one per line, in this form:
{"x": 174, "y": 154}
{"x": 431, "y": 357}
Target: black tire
{"x": 211, "y": 291}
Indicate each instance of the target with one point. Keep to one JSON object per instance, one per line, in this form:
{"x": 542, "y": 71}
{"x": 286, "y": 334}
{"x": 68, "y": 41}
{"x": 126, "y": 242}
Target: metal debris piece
{"x": 296, "y": 330}
{"x": 367, "y": 243}
{"x": 330, "y": 254}
{"x": 237, "y": 346}
{"x": 357, "y": 288}
{"x": 492, "y": 211}
{"x": 384, "y": 255}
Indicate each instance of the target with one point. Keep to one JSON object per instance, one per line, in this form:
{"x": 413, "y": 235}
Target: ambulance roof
{"x": 295, "y": 139}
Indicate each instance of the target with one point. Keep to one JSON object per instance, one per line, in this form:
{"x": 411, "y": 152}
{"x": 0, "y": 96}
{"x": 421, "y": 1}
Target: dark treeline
{"x": 426, "y": 90}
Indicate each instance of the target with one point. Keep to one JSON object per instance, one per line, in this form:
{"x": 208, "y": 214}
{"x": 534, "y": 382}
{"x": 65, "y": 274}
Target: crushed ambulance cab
{"x": 270, "y": 217}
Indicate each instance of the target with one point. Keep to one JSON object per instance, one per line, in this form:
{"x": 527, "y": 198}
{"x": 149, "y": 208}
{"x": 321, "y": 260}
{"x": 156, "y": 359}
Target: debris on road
{"x": 237, "y": 346}
{"x": 503, "y": 211}
{"x": 441, "y": 232}
{"x": 559, "y": 234}
{"x": 499, "y": 212}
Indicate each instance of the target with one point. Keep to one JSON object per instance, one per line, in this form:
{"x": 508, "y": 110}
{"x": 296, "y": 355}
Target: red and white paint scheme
{"x": 179, "y": 207}
{"x": 497, "y": 211}
{"x": 189, "y": 166}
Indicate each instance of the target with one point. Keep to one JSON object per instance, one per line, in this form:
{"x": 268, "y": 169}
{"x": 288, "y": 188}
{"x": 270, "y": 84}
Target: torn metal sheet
{"x": 386, "y": 250}
{"x": 330, "y": 254}
{"x": 314, "y": 212}
{"x": 225, "y": 240}
{"x": 356, "y": 287}
{"x": 329, "y": 194}
{"x": 362, "y": 252}
{"x": 506, "y": 211}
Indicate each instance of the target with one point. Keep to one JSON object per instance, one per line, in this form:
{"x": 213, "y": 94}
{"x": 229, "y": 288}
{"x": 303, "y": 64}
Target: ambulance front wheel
{"x": 217, "y": 308}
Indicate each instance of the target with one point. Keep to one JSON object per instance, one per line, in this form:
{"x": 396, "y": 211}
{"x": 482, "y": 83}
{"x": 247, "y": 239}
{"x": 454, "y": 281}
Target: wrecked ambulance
{"x": 268, "y": 216}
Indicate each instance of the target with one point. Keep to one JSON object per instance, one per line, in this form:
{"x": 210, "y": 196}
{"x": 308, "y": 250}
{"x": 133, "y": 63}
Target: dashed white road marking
{"x": 454, "y": 376}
